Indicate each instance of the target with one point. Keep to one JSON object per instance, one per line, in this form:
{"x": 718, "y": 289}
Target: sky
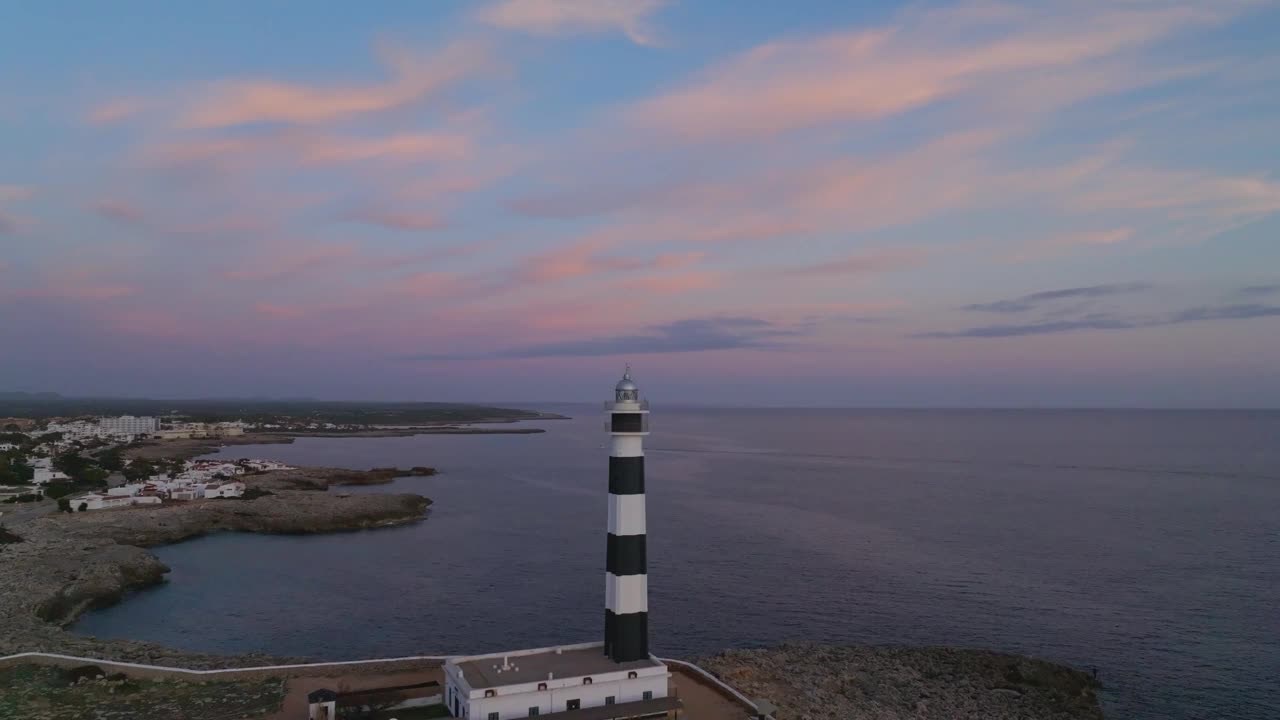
{"x": 975, "y": 203}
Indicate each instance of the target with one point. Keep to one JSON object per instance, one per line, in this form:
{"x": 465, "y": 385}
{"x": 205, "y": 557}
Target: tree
{"x": 12, "y": 427}
{"x": 139, "y": 469}
{"x": 79, "y": 469}
{"x": 111, "y": 460}
{"x": 83, "y": 506}
{"x": 64, "y": 504}
{"x": 55, "y": 490}
{"x": 14, "y": 470}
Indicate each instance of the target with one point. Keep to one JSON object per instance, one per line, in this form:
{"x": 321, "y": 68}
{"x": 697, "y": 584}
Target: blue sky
{"x": 507, "y": 200}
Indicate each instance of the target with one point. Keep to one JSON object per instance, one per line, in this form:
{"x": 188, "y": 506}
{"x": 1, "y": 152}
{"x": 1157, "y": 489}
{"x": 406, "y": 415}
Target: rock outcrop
{"x": 812, "y": 682}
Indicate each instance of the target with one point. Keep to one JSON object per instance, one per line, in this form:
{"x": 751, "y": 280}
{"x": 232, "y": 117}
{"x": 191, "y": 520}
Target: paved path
{"x": 701, "y": 700}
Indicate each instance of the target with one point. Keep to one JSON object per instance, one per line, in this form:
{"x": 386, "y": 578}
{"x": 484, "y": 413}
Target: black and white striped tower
{"x": 626, "y": 594}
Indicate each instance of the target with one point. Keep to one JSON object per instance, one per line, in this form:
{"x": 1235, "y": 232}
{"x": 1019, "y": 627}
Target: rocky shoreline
{"x": 64, "y": 564}
{"x": 812, "y": 682}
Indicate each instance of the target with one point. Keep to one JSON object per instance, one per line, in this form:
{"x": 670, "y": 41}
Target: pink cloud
{"x": 78, "y": 292}
{"x": 120, "y": 211}
{"x": 114, "y": 111}
{"x": 874, "y": 262}
{"x": 677, "y": 283}
{"x": 406, "y": 147}
{"x": 547, "y": 17}
{"x": 583, "y": 258}
{"x": 15, "y": 192}
{"x": 290, "y": 259}
{"x": 273, "y": 310}
{"x": 412, "y": 80}
{"x": 8, "y": 224}
{"x": 434, "y": 285}
{"x": 416, "y": 221}
{"x": 920, "y": 59}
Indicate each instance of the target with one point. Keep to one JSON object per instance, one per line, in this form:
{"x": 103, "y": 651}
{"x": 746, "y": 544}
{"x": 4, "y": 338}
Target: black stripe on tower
{"x": 627, "y": 423}
{"x": 626, "y": 555}
{"x": 626, "y": 475}
{"x": 626, "y": 637}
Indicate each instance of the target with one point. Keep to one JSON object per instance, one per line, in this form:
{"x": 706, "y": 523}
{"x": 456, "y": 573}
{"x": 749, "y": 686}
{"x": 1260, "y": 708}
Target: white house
{"x": 528, "y": 683}
{"x": 5, "y": 447}
{"x": 128, "y": 490}
{"x": 45, "y": 475}
{"x": 224, "y": 490}
{"x": 95, "y": 501}
{"x": 265, "y": 465}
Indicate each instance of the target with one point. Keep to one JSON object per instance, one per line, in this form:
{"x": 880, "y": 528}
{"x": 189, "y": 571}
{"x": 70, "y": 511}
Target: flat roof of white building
{"x": 572, "y": 661}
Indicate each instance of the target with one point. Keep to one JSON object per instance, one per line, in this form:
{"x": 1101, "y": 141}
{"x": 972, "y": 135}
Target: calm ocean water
{"x": 1146, "y": 544}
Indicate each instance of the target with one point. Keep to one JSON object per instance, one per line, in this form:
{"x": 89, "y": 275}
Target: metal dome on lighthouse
{"x": 626, "y": 389}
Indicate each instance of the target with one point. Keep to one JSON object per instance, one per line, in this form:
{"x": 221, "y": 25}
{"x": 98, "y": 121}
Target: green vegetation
{"x": 140, "y": 469}
{"x": 34, "y": 691}
{"x": 82, "y": 470}
{"x": 14, "y": 469}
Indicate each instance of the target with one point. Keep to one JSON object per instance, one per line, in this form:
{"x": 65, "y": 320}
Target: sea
{"x": 1145, "y": 544}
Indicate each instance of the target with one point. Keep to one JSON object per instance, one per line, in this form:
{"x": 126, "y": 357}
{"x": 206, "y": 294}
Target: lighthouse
{"x": 609, "y": 680}
{"x": 626, "y": 593}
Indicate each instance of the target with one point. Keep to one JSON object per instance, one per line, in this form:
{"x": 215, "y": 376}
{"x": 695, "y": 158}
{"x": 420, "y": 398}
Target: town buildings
{"x": 127, "y": 425}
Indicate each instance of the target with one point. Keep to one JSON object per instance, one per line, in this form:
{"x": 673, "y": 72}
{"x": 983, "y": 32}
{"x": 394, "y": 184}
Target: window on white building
{"x": 489, "y": 693}
{"x": 609, "y": 700}
{"x": 586, "y": 681}
{"x": 542, "y": 686}
{"x": 493, "y": 716}
{"x": 533, "y": 711}
{"x": 648, "y": 694}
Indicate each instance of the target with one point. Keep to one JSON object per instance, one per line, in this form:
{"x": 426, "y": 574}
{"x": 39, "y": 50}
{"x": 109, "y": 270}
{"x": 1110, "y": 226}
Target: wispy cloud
{"x": 879, "y": 261}
{"x": 120, "y": 212}
{"x": 920, "y": 59}
{"x": 1102, "y": 321}
{"x": 1036, "y": 300}
{"x": 415, "y": 221}
{"x": 291, "y": 258}
{"x": 1255, "y": 291}
{"x": 682, "y": 336}
{"x": 15, "y": 192}
{"x": 114, "y": 111}
{"x": 411, "y": 80}
{"x": 547, "y": 17}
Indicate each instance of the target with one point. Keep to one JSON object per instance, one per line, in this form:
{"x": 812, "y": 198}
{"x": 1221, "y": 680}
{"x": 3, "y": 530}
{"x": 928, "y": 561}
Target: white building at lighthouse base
{"x": 568, "y": 682}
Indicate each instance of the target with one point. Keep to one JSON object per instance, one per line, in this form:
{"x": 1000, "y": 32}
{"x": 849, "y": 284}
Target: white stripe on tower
{"x": 626, "y": 514}
{"x": 626, "y": 594}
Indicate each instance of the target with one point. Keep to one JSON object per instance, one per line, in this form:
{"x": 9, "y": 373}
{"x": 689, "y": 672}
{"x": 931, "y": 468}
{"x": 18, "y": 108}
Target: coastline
{"x": 185, "y": 449}
{"x": 64, "y": 564}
